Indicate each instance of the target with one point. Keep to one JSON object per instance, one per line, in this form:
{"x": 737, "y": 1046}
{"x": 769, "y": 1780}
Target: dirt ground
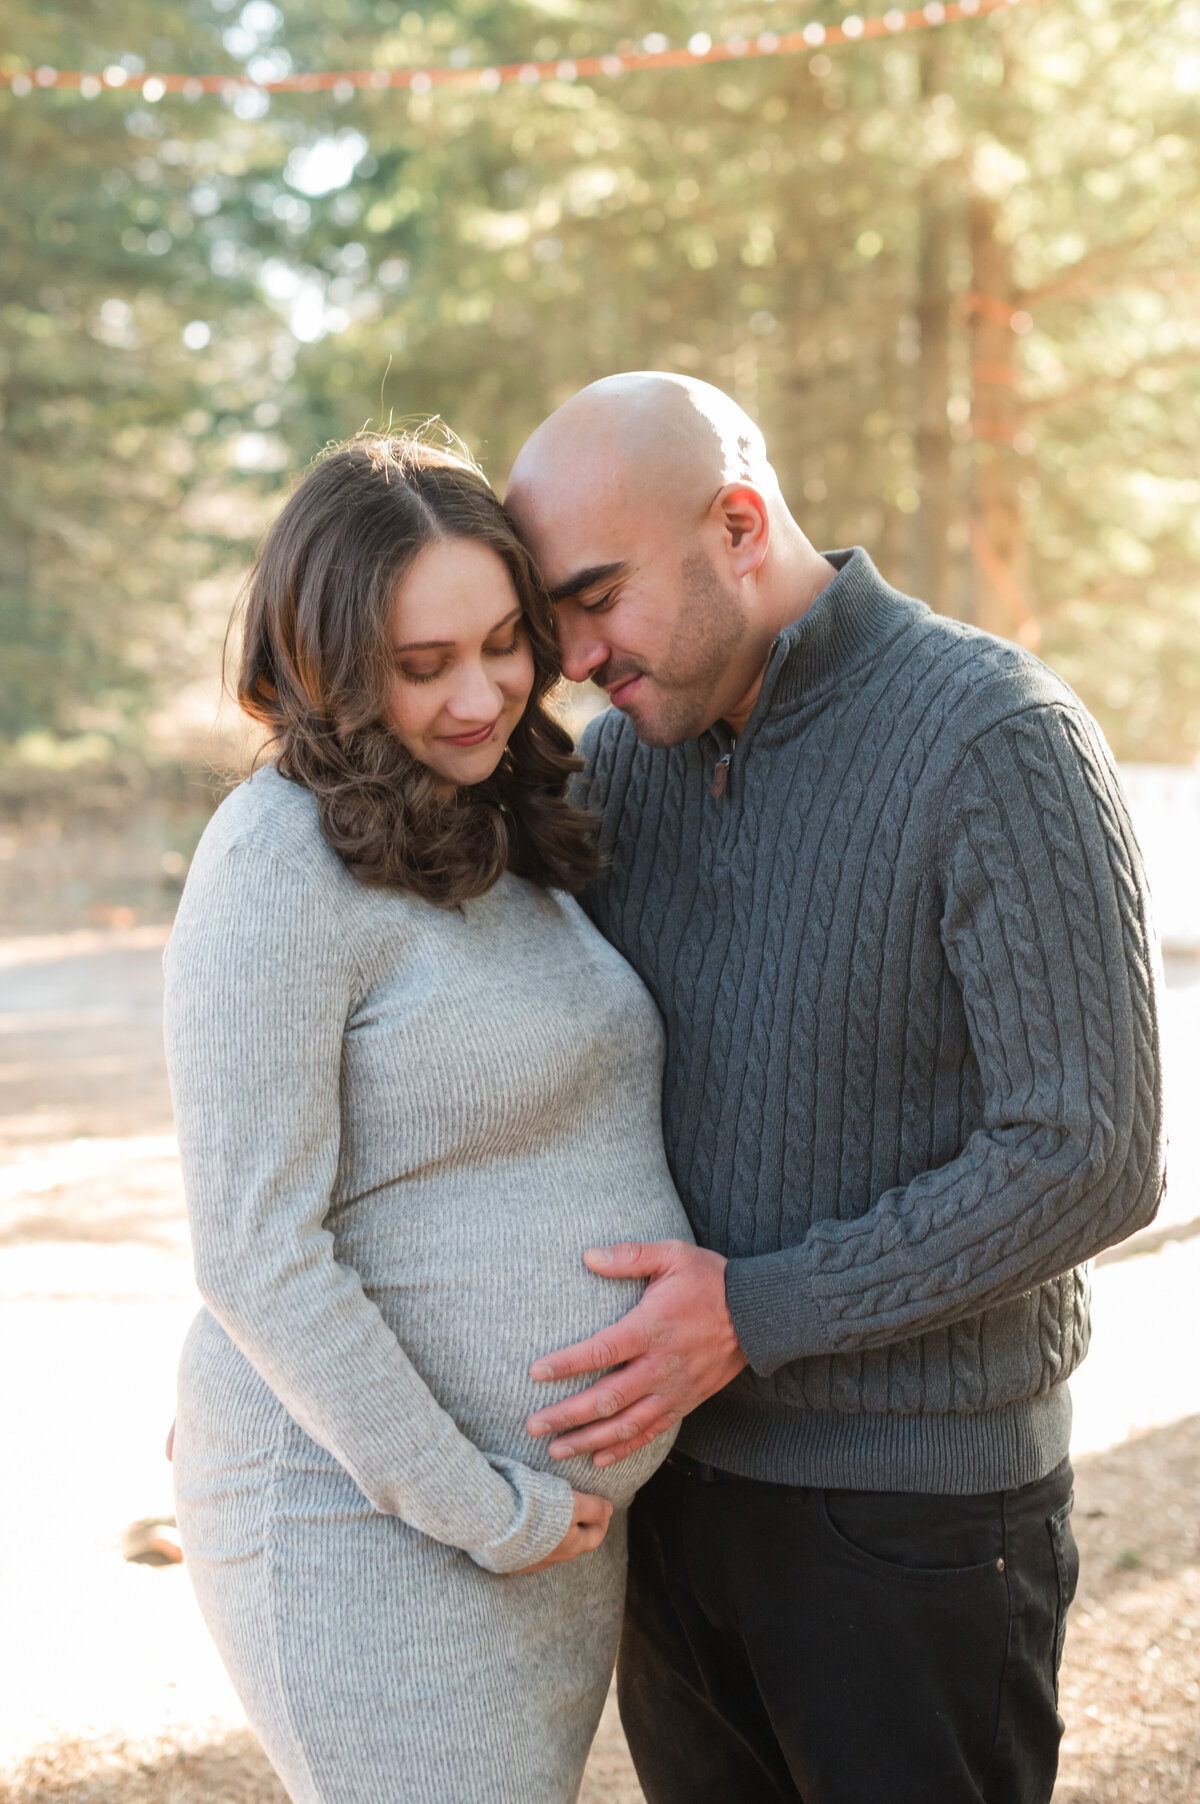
{"x": 108, "y": 1688}
{"x": 1130, "y": 1687}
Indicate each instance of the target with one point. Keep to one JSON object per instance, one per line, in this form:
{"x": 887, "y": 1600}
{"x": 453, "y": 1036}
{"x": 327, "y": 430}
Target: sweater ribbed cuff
{"x": 774, "y": 1312}
{"x": 545, "y": 1510}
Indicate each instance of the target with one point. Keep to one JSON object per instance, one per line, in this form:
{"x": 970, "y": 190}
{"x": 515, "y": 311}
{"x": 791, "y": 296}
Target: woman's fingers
{"x": 589, "y": 1525}
{"x": 590, "y": 1509}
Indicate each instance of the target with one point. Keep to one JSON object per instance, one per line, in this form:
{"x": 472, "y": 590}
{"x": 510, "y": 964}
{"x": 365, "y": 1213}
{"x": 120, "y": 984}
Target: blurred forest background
{"x": 952, "y": 273}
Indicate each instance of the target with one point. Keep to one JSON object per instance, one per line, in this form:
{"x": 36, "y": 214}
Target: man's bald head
{"x": 660, "y": 529}
{"x": 643, "y": 442}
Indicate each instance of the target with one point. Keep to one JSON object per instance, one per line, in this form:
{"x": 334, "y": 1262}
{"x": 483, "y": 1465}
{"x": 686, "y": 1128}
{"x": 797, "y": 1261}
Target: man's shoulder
{"x": 987, "y": 680}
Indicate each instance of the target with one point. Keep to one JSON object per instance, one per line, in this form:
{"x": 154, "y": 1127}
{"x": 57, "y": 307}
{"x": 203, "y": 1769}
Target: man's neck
{"x": 796, "y": 592}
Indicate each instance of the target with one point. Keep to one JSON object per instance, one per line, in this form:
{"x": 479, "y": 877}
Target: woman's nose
{"x": 477, "y": 698}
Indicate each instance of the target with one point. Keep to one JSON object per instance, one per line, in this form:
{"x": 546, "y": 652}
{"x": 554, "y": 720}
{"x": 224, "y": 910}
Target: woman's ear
{"x": 745, "y": 526}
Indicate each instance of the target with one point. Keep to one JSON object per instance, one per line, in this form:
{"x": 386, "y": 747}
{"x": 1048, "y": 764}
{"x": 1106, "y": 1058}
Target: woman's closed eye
{"x": 505, "y": 651}
{"x": 424, "y": 674}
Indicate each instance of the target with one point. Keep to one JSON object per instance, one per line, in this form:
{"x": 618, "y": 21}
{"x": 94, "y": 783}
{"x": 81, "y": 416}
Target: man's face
{"x": 643, "y": 610}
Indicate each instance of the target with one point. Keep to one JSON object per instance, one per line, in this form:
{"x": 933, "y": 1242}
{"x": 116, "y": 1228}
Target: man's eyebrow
{"x": 586, "y": 579}
{"x": 441, "y": 644}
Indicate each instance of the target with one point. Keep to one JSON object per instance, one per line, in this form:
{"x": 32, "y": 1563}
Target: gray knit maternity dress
{"x": 400, "y": 1126}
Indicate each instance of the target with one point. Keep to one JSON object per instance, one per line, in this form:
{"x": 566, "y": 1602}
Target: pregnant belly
{"x": 476, "y": 1286}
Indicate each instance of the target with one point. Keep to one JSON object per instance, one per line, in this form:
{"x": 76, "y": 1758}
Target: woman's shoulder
{"x": 263, "y": 862}
{"x": 263, "y": 881}
{"x": 265, "y": 843}
{"x": 269, "y": 819}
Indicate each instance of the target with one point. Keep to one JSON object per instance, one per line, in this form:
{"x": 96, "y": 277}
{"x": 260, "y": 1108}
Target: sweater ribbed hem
{"x": 950, "y": 1455}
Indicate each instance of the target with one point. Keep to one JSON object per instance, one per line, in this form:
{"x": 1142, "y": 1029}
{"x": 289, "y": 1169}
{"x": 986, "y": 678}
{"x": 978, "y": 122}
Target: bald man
{"x": 877, "y": 871}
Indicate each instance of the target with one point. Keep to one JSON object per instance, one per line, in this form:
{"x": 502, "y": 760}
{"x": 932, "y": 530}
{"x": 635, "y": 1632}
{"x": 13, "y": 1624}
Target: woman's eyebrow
{"x": 587, "y": 579}
{"x": 441, "y": 644}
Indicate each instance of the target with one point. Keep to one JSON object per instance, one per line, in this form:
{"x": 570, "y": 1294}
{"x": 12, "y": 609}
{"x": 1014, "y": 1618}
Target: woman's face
{"x": 462, "y": 665}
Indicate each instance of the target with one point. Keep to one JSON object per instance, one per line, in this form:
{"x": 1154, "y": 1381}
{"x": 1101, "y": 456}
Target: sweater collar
{"x": 854, "y": 616}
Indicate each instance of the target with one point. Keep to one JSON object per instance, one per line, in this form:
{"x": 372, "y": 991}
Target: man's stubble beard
{"x": 708, "y": 632}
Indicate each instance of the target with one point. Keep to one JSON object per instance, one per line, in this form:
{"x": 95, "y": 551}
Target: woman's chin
{"x": 469, "y": 769}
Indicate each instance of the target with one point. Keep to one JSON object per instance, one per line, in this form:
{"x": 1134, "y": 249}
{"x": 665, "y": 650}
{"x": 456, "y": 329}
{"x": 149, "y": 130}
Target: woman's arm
{"x": 260, "y": 984}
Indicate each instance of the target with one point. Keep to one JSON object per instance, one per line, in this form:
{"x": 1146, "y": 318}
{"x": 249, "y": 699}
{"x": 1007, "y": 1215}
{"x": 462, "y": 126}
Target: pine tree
{"x": 103, "y": 269}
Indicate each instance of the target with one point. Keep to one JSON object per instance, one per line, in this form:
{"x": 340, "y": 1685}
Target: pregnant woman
{"x": 412, "y": 1084}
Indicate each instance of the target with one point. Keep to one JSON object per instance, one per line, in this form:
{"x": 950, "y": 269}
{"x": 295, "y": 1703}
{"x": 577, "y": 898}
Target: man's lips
{"x": 476, "y": 738}
{"x": 619, "y": 693}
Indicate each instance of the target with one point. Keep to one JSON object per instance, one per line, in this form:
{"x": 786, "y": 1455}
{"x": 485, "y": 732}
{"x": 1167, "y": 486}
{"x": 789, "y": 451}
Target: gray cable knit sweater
{"x": 909, "y": 978}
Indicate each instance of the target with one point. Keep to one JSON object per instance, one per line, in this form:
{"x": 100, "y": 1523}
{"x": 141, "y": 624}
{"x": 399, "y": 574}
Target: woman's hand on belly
{"x": 589, "y": 1525}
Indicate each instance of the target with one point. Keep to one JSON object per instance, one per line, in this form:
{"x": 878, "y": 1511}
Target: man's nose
{"x": 582, "y": 652}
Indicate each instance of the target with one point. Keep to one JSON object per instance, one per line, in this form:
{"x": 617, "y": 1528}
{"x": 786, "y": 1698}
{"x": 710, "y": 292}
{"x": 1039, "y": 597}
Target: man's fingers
{"x": 612, "y": 1347}
{"x": 599, "y": 1404}
{"x": 678, "y": 1345}
{"x": 621, "y": 1433}
{"x": 633, "y": 1258}
{"x": 610, "y": 1455}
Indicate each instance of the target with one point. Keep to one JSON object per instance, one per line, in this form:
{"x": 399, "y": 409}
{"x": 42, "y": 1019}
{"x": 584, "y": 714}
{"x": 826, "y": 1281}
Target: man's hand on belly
{"x": 674, "y": 1349}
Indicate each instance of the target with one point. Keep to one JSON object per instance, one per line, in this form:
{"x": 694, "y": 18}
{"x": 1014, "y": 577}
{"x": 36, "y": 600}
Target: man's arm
{"x": 1046, "y": 928}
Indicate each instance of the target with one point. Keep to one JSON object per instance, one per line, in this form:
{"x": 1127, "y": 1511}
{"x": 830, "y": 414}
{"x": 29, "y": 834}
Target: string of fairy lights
{"x": 653, "y": 52}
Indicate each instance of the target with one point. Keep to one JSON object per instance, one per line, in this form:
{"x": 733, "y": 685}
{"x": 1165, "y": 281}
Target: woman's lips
{"x": 476, "y": 738}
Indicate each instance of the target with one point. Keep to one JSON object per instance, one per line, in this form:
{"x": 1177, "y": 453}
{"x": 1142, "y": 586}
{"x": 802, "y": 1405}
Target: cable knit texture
{"x": 400, "y": 1126}
{"x": 909, "y": 980}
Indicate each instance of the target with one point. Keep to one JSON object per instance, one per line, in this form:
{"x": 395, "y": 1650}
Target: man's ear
{"x": 745, "y": 525}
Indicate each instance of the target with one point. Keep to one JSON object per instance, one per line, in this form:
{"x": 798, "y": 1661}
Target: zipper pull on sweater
{"x": 720, "y": 776}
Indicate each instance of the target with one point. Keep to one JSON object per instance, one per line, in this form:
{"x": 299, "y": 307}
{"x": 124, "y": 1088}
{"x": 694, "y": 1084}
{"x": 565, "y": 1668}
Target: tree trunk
{"x": 934, "y": 303}
{"x": 997, "y": 541}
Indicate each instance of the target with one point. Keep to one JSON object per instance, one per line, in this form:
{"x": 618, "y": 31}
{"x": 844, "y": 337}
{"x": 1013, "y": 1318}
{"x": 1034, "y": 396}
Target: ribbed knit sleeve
{"x": 1046, "y": 931}
{"x": 261, "y": 984}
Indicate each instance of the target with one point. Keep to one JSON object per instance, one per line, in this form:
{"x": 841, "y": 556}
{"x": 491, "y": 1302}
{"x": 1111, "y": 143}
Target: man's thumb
{"x": 631, "y": 1259}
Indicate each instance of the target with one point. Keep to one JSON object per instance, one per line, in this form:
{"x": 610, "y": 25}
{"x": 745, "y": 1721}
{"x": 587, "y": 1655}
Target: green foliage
{"x": 103, "y": 265}
{"x": 797, "y": 230}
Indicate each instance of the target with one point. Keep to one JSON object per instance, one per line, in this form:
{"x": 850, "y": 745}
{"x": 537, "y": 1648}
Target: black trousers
{"x": 844, "y": 1647}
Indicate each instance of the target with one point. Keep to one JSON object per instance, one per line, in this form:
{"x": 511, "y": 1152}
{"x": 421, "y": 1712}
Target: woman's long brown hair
{"x": 317, "y": 667}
